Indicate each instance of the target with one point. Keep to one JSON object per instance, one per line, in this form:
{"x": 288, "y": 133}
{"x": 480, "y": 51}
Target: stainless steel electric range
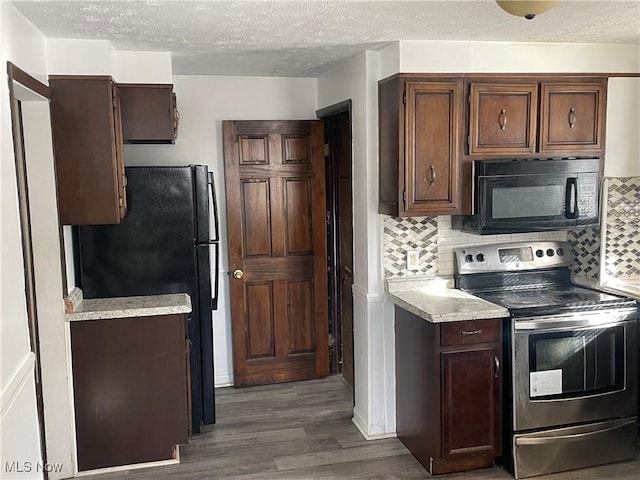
{"x": 571, "y": 381}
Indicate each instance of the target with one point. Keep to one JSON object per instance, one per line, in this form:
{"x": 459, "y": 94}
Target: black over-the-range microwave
{"x": 532, "y": 195}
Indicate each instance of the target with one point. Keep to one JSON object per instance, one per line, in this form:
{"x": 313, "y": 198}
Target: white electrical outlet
{"x": 413, "y": 259}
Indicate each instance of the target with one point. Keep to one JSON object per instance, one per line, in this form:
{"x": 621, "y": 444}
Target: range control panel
{"x": 505, "y": 257}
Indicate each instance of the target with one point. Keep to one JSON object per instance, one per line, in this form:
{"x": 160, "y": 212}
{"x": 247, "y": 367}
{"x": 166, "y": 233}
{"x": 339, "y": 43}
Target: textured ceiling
{"x": 305, "y": 38}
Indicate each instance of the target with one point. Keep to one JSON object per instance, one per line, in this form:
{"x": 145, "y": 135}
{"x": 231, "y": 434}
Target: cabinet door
{"x": 502, "y": 119}
{"x": 129, "y": 389}
{"x": 431, "y": 147}
{"x": 572, "y": 117}
{"x": 87, "y": 150}
{"x": 471, "y": 403}
{"x": 149, "y": 113}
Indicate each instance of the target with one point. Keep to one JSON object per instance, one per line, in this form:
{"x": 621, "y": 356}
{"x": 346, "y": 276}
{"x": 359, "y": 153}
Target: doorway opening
{"x": 338, "y": 172}
{"x": 43, "y": 264}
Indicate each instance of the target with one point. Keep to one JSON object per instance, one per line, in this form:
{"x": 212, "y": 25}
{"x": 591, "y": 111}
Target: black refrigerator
{"x": 163, "y": 245}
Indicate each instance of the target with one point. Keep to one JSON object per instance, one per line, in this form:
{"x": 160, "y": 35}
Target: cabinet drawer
{"x": 470, "y": 332}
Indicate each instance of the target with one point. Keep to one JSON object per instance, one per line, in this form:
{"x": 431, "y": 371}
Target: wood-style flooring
{"x": 303, "y": 431}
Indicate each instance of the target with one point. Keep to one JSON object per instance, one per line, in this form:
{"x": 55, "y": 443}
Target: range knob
{"x": 480, "y": 257}
{"x": 539, "y": 253}
{"x": 550, "y": 252}
{"x": 560, "y": 252}
{"x": 469, "y": 258}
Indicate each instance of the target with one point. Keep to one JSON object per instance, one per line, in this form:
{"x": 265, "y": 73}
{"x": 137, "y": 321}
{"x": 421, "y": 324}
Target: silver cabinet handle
{"x": 470, "y": 332}
{"x": 502, "y": 119}
{"x": 432, "y": 175}
{"x": 572, "y": 117}
{"x": 496, "y": 361}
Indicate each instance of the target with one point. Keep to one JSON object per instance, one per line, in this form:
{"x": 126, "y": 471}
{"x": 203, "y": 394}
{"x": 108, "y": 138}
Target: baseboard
{"x": 223, "y": 381}
{"x": 17, "y": 383}
{"x": 362, "y": 426}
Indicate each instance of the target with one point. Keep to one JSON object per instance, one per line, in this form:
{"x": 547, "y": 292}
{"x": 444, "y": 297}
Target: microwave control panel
{"x": 588, "y": 197}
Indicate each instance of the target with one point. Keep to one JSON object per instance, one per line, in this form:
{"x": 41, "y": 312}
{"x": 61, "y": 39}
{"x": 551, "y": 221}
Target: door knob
{"x": 238, "y": 274}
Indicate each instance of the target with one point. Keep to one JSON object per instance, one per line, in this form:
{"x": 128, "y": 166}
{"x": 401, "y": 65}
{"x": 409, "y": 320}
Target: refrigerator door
{"x": 152, "y": 251}
{"x": 206, "y": 331}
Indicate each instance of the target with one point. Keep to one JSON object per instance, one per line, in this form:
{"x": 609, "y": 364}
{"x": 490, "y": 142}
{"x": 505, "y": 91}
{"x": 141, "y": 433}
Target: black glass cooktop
{"x": 553, "y": 299}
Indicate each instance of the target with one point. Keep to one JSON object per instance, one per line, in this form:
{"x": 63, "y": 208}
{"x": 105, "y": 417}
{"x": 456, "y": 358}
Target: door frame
{"x": 55, "y": 418}
{"x": 336, "y": 349}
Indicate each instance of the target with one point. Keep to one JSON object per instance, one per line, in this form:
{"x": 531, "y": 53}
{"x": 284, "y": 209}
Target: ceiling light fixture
{"x": 526, "y": 8}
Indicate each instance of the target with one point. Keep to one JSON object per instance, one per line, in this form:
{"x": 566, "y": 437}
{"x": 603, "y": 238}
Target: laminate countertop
{"x": 432, "y": 300}
{"x": 125, "y": 307}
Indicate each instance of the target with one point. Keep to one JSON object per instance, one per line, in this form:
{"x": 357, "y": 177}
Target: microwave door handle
{"x": 571, "y": 198}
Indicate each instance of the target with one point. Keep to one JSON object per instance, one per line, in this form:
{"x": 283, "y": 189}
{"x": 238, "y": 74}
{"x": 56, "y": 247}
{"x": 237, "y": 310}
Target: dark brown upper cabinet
{"x": 537, "y": 116}
{"x": 419, "y": 140}
{"x": 149, "y": 113}
{"x": 572, "y": 117}
{"x": 87, "y": 140}
{"x": 502, "y": 118}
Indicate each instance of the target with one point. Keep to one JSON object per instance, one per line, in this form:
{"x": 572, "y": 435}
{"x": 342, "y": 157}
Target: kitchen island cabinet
{"x": 130, "y": 380}
{"x": 449, "y": 391}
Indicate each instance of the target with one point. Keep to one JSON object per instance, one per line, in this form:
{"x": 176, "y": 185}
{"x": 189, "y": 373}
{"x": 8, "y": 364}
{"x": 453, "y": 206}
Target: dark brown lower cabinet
{"x": 449, "y": 391}
{"x": 130, "y": 389}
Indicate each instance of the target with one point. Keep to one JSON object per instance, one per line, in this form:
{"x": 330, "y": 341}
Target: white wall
{"x": 204, "y": 102}
{"x": 357, "y": 79}
{"x": 622, "y": 143}
{"x": 23, "y": 45}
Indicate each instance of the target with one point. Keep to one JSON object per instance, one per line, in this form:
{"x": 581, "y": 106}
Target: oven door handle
{"x": 548, "y": 324}
{"x": 576, "y": 437}
{"x": 558, "y": 326}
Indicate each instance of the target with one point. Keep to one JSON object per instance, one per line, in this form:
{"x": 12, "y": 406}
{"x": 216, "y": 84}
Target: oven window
{"x": 572, "y": 364}
{"x": 531, "y": 201}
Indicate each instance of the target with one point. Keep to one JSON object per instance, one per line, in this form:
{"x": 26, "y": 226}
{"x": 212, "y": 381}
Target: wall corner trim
{"x": 369, "y": 296}
{"x": 17, "y": 383}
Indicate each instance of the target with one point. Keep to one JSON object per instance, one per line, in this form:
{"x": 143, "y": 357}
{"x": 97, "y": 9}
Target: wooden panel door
{"x": 502, "y": 118}
{"x": 471, "y": 403}
{"x": 431, "y": 147}
{"x": 275, "y": 188}
{"x": 572, "y": 117}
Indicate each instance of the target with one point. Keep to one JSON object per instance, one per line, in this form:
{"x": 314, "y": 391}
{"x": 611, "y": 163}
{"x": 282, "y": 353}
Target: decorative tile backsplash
{"x": 413, "y": 233}
{"x": 585, "y": 252}
{"x": 622, "y": 235}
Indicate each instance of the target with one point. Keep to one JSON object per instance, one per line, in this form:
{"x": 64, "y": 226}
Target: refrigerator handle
{"x": 216, "y": 275}
{"x": 214, "y": 207}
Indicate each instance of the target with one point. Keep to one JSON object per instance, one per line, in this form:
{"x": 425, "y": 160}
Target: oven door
{"x": 574, "y": 368}
{"x": 513, "y": 203}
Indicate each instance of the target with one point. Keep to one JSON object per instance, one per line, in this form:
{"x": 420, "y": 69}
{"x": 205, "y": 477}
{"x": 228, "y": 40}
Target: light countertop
{"x": 431, "y": 299}
{"x": 124, "y": 307}
{"x": 628, "y": 287}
